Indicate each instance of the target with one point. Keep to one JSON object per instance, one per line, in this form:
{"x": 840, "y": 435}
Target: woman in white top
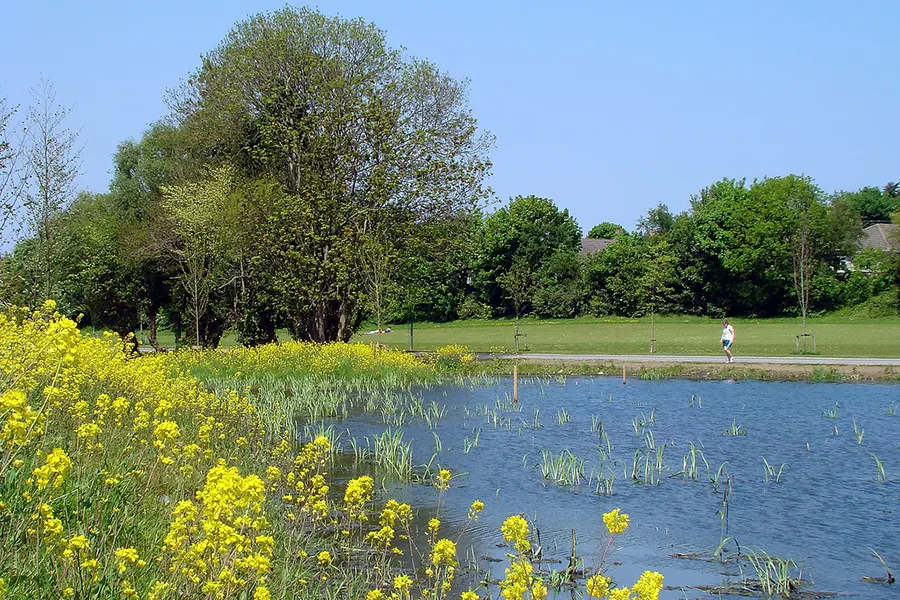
{"x": 727, "y": 339}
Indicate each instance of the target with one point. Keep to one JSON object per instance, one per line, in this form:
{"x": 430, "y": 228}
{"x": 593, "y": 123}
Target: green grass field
{"x": 835, "y": 336}
{"x": 674, "y": 335}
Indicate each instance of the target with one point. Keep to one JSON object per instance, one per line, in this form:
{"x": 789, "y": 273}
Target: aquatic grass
{"x": 644, "y": 467}
{"x": 562, "y": 416}
{"x": 831, "y": 413}
{"x": 891, "y": 410}
{"x": 775, "y": 575}
{"x": 770, "y": 472}
{"x": 889, "y": 579}
{"x": 690, "y": 467}
{"x": 391, "y": 455}
{"x": 697, "y": 399}
{"x": 858, "y": 434}
{"x": 879, "y": 469}
{"x": 735, "y": 429}
{"x": 596, "y": 424}
{"x": 563, "y": 469}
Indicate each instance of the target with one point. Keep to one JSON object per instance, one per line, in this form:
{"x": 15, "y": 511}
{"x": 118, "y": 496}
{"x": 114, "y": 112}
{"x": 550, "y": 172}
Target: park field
{"x": 876, "y": 338}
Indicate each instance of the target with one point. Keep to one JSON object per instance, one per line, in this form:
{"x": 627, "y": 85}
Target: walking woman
{"x": 727, "y": 339}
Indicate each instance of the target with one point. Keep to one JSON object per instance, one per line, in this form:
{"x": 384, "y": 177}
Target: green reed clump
{"x": 879, "y": 469}
{"x": 735, "y": 429}
{"x": 831, "y": 413}
{"x": 562, "y": 469}
{"x": 562, "y": 416}
{"x": 690, "y": 469}
{"x": 770, "y": 472}
{"x": 775, "y": 575}
{"x": 858, "y": 434}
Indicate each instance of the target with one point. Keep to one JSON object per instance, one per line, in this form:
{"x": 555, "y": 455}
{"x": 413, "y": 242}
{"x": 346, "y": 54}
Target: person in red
{"x": 727, "y": 339}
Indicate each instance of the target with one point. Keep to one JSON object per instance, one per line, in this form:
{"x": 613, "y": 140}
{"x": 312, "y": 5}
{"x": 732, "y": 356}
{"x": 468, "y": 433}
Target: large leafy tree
{"x": 361, "y": 141}
{"x": 517, "y": 246}
{"x": 606, "y": 230}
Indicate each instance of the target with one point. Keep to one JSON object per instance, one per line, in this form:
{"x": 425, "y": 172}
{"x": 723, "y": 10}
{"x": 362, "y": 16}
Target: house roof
{"x": 879, "y": 235}
{"x": 591, "y": 245}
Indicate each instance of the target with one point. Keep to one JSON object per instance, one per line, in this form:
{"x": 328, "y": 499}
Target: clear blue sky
{"x": 606, "y": 107}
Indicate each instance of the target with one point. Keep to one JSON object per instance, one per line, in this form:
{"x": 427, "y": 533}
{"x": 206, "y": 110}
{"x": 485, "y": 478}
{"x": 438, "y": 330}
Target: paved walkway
{"x": 738, "y": 360}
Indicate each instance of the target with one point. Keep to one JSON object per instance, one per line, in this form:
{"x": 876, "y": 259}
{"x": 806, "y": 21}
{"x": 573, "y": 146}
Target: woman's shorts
{"x": 726, "y": 343}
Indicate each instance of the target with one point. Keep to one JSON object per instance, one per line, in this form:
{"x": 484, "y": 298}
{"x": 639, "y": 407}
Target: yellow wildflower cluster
{"x": 127, "y": 477}
{"x": 615, "y": 521}
{"x": 302, "y": 357}
{"x": 53, "y": 472}
{"x": 227, "y": 521}
{"x": 357, "y": 495}
{"x": 454, "y": 356}
{"x": 520, "y": 581}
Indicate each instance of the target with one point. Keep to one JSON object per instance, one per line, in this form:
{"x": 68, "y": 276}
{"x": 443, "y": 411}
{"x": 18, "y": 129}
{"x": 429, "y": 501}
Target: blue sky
{"x": 608, "y": 108}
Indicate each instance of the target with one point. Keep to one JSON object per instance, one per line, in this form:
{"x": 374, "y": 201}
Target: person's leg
{"x": 727, "y": 348}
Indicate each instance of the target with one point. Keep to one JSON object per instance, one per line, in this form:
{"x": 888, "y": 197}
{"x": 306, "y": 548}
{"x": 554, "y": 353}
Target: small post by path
{"x": 624, "y": 377}
{"x": 515, "y": 384}
{"x": 410, "y": 336}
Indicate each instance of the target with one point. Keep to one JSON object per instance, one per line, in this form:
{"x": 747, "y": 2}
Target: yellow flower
{"x": 68, "y": 592}
{"x": 622, "y": 593}
{"x": 442, "y": 481}
{"x": 324, "y": 558}
{"x": 648, "y": 586}
{"x": 262, "y": 593}
{"x": 444, "y": 553}
{"x": 469, "y": 595}
{"x": 538, "y": 590}
{"x": 475, "y": 509}
{"x": 54, "y": 470}
{"x": 125, "y": 557}
{"x": 358, "y": 493}
{"x": 375, "y": 595}
{"x": 434, "y": 525}
{"x": 402, "y": 583}
{"x": 615, "y": 522}
{"x": 598, "y": 586}
{"x": 515, "y": 529}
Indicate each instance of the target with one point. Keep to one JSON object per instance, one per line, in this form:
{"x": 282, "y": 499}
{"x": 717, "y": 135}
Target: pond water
{"x": 826, "y": 512}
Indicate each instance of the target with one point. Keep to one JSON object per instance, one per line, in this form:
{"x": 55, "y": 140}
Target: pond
{"x": 800, "y": 479}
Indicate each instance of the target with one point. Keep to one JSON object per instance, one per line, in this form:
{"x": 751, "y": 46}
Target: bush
{"x": 471, "y": 308}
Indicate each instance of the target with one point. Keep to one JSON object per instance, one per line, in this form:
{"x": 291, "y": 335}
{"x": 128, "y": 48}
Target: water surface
{"x": 825, "y": 513}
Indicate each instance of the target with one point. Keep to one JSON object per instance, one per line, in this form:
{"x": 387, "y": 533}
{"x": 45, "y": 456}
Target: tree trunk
{"x": 153, "y": 326}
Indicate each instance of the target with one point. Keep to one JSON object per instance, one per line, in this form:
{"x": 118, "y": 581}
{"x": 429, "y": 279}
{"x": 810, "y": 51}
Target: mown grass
{"x": 691, "y": 336}
{"x": 839, "y": 335}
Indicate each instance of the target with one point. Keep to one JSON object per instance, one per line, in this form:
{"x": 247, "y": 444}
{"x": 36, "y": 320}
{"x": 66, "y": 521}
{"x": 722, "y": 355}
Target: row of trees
{"x": 778, "y": 246}
{"x": 309, "y": 177}
{"x": 300, "y": 165}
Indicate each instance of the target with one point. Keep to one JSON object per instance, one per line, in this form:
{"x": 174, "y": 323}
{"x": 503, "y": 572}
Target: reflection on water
{"x": 825, "y": 513}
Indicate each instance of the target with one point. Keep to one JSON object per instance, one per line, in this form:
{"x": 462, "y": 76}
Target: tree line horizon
{"x": 309, "y": 178}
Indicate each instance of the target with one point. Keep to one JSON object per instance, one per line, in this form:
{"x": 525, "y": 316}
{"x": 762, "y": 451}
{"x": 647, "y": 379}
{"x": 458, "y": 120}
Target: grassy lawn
{"x": 674, "y": 335}
{"x": 835, "y": 336}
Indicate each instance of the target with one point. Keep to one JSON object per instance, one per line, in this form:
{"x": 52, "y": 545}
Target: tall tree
{"x": 354, "y": 134}
{"x": 53, "y": 161}
{"x": 525, "y": 235}
{"x": 658, "y": 220}
{"x": 606, "y": 230}
{"x": 12, "y": 177}
{"x": 196, "y": 211}
{"x": 655, "y": 284}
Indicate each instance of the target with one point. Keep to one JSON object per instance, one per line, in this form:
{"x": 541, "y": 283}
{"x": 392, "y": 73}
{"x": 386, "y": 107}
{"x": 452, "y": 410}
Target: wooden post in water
{"x": 515, "y": 384}
{"x": 573, "y": 562}
{"x": 624, "y": 377}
